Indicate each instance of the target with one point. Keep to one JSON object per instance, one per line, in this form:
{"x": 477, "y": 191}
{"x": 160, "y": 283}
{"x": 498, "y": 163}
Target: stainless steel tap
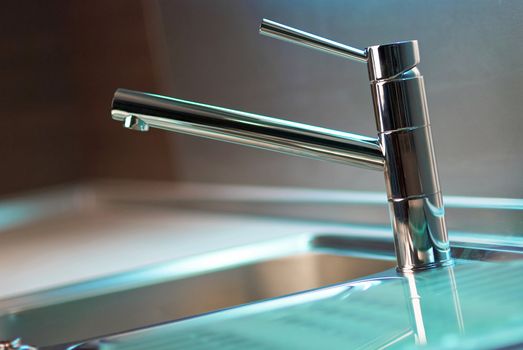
{"x": 403, "y": 148}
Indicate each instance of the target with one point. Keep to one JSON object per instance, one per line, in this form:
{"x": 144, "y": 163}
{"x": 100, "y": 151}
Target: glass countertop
{"x": 473, "y": 305}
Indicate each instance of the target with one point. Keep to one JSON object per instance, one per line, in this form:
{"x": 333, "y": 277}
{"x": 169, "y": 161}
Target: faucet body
{"x": 411, "y": 177}
{"x": 403, "y": 149}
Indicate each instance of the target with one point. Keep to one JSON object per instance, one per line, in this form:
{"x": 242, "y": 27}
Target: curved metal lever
{"x": 296, "y": 36}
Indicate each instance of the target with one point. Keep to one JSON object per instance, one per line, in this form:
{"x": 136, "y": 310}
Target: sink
{"x": 184, "y": 288}
{"x": 468, "y": 306}
{"x": 276, "y": 260}
{"x": 205, "y": 283}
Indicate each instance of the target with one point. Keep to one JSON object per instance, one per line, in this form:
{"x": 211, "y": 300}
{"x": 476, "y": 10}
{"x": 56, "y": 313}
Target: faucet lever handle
{"x": 296, "y": 36}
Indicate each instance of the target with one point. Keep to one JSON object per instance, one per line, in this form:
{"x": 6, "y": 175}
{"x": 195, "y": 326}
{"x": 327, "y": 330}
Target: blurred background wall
{"x": 62, "y": 60}
{"x": 470, "y": 57}
{"x": 60, "y": 63}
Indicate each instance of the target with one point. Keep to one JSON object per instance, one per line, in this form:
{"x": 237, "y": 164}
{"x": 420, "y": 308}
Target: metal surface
{"x": 296, "y": 36}
{"x": 199, "y": 284}
{"x": 214, "y": 280}
{"x": 417, "y": 222}
{"x": 139, "y": 111}
{"x": 160, "y": 294}
{"x": 415, "y": 201}
{"x": 403, "y": 148}
{"x": 83, "y": 309}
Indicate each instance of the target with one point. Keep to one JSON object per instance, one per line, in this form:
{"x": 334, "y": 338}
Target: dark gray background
{"x": 471, "y": 54}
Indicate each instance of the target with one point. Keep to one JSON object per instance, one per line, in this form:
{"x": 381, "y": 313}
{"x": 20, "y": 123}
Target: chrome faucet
{"x": 403, "y": 148}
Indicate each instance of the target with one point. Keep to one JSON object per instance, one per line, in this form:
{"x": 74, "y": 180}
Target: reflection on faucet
{"x": 403, "y": 149}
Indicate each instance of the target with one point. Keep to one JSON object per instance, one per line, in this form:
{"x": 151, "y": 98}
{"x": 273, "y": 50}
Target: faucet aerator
{"x": 134, "y": 123}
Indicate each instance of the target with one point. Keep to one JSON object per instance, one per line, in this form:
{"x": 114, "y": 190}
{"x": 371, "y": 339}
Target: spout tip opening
{"x": 134, "y": 123}
{"x": 264, "y": 26}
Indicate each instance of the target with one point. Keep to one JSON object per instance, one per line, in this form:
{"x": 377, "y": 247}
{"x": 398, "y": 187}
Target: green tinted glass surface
{"x": 470, "y": 306}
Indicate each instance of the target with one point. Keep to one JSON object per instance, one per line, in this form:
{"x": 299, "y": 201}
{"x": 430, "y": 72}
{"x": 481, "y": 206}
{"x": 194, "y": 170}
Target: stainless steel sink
{"x": 201, "y": 284}
{"x": 187, "y": 287}
{"x": 355, "y": 247}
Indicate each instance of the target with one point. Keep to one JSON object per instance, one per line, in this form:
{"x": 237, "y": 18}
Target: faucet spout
{"x": 140, "y": 111}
